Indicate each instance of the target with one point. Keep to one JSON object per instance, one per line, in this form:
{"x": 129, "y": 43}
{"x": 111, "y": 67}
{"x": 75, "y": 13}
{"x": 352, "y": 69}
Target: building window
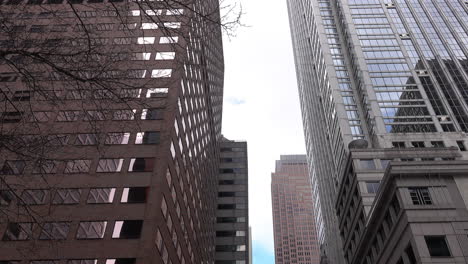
{"x": 44, "y": 262}
{"x": 55, "y": 231}
{"x": 437, "y": 246}
{"x": 127, "y": 229}
{"x": 34, "y": 197}
{"x": 372, "y": 186}
{"x": 149, "y": 137}
{"x": 6, "y": 197}
{"x": 91, "y": 230}
{"x": 417, "y": 144}
{"x": 384, "y": 163}
{"x": 165, "y": 55}
{"x": 45, "y": 167}
{"x": 398, "y": 144}
{"x": 77, "y": 166}
{"x": 101, "y": 195}
{"x": 86, "y": 139}
{"x": 152, "y": 114}
{"x": 18, "y": 231}
{"x": 437, "y": 144}
{"x": 109, "y": 165}
{"x": 121, "y": 261}
{"x": 420, "y": 195}
{"x": 226, "y": 194}
{"x": 67, "y": 196}
{"x": 119, "y": 138}
{"x": 367, "y": 164}
{"x": 124, "y": 114}
{"x": 141, "y": 165}
{"x": 134, "y": 195}
{"x": 13, "y": 167}
{"x": 82, "y": 261}
{"x": 12, "y": 117}
{"x": 461, "y": 145}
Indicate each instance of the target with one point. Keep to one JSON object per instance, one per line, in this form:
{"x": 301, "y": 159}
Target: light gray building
{"x": 383, "y": 75}
{"x": 232, "y": 215}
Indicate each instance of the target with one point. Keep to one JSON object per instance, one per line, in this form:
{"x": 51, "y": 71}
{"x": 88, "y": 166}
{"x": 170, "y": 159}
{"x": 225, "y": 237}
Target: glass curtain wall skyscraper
{"x": 393, "y": 73}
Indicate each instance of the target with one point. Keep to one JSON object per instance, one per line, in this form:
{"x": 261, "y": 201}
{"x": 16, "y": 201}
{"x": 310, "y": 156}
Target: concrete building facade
{"x": 110, "y": 131}
{"x": 293, "y": 221}
{"x": 233, "y": 244}
{"x": 376, "y": 74}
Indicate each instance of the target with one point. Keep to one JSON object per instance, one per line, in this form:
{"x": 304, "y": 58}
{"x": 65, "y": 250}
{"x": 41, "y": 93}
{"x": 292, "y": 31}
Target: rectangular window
{"x": 45, "y": 167}
{"x": 141, "y": 165}
{"x": 149, "y": 26}
{"x": 461, "y": 145}
{"x": 78, "y": 166}
{"x": 152, "y": 114}
{"x": 156, "y": 92}
{"x": 91, "y": 230}
{"x": 109, "y": 165}
{"x": 145, "y": 40}
{"x": 40, "y": 116}
{"x": 134, "y": 195}
{"x": 12, "y": 117}
{"x": 130, "y": 93}
{"x": 13, "y": 167}
{"x": 34, "y": 197}
{"x": 118, "y": 138}
{"x": 67, "y": 196}
{"x": 437, "y": 144}
{"x": 420, "y": 195}
{"x": 129, "y": 229}
{"x": 437, "y": 246}
{"x": 101, "y": 195}
{"x": 165, "y": 55}
{"x": 124, "y": 114}
{"x": 86, "y": 139}
{"x": 82, "y": 261}
{"x": 372, "y": 186}
{"x": 69, "y": 116}
{"x": 161, "y": 73}
{"x": 168, "y": 40}
{"x": 55, "y": 231}
{"x": 367, "y": 164}
{"x": 148, "y": 137}
{"x": 6, "y": 197}
{"x": 121, "y": 261}
{"x": 94, "y": 115}
{"x": 18, "y": 231}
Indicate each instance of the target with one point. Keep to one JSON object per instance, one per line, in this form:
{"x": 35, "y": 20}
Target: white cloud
{"x": 260, "y": 71}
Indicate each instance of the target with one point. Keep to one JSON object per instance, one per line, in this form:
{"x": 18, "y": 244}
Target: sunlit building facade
{"x": 379, "y": 75}
{"x": 110, "y": 124}
{"x": 293, "y": 222}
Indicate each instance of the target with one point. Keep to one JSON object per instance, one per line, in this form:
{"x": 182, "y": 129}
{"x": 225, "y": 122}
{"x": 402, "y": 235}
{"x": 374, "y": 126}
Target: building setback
{"x": 293, "y": 220}
{"x": 383, "y": 85}
{"x": 110, "y": 134}
{"x": 232, "y": 216}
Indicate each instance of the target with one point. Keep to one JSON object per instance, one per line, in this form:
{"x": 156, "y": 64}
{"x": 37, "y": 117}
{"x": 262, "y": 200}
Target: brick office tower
{"x": 293, "y": 220}
{"x": 384, "y": 100}
{"x": 111, "y": 117}
{"x": 232, "y": 216}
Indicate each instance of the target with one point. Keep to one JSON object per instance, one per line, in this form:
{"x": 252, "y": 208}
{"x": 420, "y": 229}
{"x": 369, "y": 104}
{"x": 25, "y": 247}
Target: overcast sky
{"x": 261, "y": 106}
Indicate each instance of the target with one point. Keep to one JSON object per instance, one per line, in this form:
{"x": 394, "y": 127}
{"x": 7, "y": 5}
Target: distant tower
{"x": 293, "y": 220}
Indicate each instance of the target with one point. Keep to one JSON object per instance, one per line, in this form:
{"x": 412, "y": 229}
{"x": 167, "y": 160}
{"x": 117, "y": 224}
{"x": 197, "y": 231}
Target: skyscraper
{"x": 110, "y": 128}
{"x": 293, "y": 220}
{"x": 232, "y": 215}
{"x": 377, "y": 76}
